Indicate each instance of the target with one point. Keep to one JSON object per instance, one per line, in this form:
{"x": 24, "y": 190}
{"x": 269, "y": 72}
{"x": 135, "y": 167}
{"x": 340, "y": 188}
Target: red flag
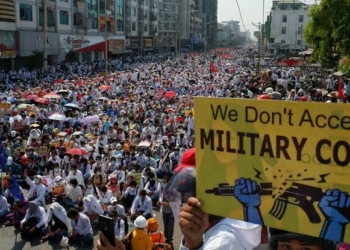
{"x": 212, "y": 68}
{"x": 340, "y": 90}
{"x": 59, "y": 80}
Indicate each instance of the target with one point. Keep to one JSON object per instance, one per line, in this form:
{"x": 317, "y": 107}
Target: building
{"x": 141, "y": 25}
{"x": 210, "y": 23}
{"x": 8, "y": 48}
{"x": 169, "y": 26}
{"x": 284, "y": 26}
{"x": 79, "y": 25}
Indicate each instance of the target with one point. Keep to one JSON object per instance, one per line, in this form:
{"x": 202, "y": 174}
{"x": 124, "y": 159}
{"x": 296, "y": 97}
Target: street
{"x": 10, "y": 240}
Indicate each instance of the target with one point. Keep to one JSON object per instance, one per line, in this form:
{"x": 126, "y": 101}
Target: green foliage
{"x": 328, "y": 31}
{"x": 72, "y": 56}
{"x": 35, "y": 60}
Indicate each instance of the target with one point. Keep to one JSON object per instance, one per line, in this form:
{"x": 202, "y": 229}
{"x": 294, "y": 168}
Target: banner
{"x": 147, "y": 43}
{"x": 115, "y": 45}
{"x": 291, "y": 62}
{"x": 284, "y": 164}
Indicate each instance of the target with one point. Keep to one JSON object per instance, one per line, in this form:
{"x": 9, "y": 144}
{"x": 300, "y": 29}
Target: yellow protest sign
{"x": 5, "y": 105}
{"x": 282, "y": 164}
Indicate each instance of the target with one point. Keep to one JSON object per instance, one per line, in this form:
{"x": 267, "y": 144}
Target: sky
{"x": 252, "y": 11}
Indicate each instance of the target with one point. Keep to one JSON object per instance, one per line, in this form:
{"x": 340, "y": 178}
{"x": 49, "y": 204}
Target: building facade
{"x": 285, "y": 25}
{"x": 79, "y": 25}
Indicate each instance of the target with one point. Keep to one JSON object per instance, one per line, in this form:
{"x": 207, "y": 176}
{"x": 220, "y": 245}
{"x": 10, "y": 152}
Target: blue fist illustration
{"x": 332, "y": 204}
{"x": 246, "y": 192}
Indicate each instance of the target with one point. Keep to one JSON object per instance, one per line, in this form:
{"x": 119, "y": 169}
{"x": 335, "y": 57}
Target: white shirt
{"x": 4, "y": 206}
{"x": 119, "y": 228}
{"x": 104, "y": 199}
{"x": 36, "y": 190}
{"x": 119, "y": 208}
{"x": 79, "y": 176}
{"x": 139, "y": 205}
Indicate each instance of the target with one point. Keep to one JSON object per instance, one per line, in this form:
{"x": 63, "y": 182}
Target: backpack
{"x": 127, "y": 241}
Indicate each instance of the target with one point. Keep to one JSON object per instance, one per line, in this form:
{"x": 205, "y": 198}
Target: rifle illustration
{"x": 298, "y": 194}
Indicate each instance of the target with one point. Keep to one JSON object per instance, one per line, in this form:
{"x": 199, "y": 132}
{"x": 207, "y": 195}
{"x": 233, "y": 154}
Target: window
{"x": 133, "y": 11}
{"x": 283, "y": 41}
{"x": 284, "y": 30}
{"x": 301, "y": 18}
{"x": 146, "y": 27}
{"x": 300, "y": 30}
{"x": 26, "y": 12}
{"x": 284, "y": 18}
{"x": 299, "y": 42}
{"x": 50, "y": 17}
{"x": 120, "y": 7}
{"x": 133, "y": 26}
{"x": 120, "y": 25}
{"x": 78, "y": 19}
{"x": 102, "y": 7}
{"x": 66, "y": 1}
{"x": 145, "y": 14}
{"x": 64, "y": 18}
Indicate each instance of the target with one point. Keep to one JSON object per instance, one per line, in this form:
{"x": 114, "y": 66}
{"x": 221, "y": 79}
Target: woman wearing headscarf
{"x": 34, "y": 221}
{"x": 58, "y": 223}
{"x": 92, "y": 209}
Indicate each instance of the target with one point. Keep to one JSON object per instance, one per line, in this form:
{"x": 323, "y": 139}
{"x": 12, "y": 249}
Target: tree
{"x": 72, "y": 56}
{"x": 35, "y": 60}
{"x": 328, "y": 31}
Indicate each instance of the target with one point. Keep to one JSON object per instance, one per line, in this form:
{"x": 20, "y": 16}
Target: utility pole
{"x": 106, "y": 45}
{"x": 259, "y": 47}
{"x": 45, "y": 36}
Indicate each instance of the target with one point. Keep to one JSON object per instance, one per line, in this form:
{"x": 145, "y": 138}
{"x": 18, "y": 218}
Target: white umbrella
{"x": 58, "y": 117}
{"x": 90, "y": 119}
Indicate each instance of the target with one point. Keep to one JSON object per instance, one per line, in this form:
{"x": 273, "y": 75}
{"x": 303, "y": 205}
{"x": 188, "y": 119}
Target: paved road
{"x": 10, "y": 240}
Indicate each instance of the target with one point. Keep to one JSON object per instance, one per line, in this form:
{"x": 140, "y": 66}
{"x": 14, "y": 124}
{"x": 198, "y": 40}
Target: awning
{"x": 95, "y": 47}
{"x": 148, "y": 49}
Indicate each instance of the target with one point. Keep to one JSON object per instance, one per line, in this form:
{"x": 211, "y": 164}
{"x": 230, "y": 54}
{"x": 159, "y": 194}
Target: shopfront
{"x": 91, "y": 48}
{"x": 8, "y": 49}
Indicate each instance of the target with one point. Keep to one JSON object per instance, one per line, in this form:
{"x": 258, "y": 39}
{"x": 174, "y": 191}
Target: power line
{"x": 240, "y": 13}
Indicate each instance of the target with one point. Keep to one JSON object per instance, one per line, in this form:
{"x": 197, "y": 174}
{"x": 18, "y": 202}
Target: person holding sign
{"x": 205, "y": 231}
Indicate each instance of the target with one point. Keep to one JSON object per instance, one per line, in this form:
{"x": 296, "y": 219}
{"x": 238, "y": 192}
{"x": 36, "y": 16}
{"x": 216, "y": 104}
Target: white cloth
{"x": 59, "y": 211}
{"x": 92, "y": 205}
{"x": 231, "y": 234}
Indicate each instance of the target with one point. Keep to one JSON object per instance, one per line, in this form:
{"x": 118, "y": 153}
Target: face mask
{"x": 98, "y": 173}
{"x": 112, "y": 162}
{"x": 98, "y": 161}
{"x": 134, "y": 162}
{"x": 176, "y": 152}
{"x": 57, "y": 170}
{"x": 89, "y": 185}
{"x": 37, "y": 181}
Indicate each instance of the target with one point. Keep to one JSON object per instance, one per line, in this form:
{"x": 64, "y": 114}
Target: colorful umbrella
{"x": 25, "y": 106}
{"x": 90, "y": 119}
{"x": 52, "y": 96}
{"x": 72, "y": 105}
{"x": 77, "y": 151}
{"x": 170, "y": 94}
{"x": 58, "y": 117}
{"x": 42, "y": 100}
{"x": 31, "y": 97}
{"x": 105, "y": 88}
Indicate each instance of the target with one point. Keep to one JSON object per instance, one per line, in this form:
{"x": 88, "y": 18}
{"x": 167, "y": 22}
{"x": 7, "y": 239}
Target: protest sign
{"x": 57, "y": 189}
{"x": 281, "y": 164}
